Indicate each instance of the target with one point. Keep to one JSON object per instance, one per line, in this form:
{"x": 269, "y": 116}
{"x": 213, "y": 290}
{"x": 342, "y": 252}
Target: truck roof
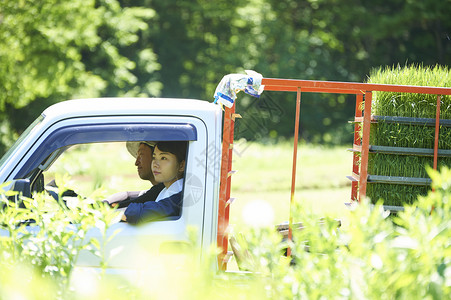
{"x": 128, "y": 106}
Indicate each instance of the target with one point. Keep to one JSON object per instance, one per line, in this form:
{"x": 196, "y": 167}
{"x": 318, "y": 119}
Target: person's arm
{"x": 121, "y": 196}
{"x": 152, "y": 211}
{"x": 150, "y": 195}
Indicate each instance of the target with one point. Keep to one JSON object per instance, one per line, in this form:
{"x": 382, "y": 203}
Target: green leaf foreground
{"x": 371, "y": 256}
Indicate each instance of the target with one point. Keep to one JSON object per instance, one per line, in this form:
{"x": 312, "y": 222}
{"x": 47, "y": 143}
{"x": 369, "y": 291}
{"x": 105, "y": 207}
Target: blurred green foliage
{"x": 51, "y": 51}
{"x": 45, "y": 236}
{"x": 375, "y": 257}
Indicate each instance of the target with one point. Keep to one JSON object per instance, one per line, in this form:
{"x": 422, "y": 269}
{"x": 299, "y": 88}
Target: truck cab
{"x": 105, "y": 120}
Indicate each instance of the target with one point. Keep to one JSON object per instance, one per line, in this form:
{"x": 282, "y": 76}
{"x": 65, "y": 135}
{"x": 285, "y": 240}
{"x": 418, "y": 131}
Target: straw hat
{"x": 133, "y": 147}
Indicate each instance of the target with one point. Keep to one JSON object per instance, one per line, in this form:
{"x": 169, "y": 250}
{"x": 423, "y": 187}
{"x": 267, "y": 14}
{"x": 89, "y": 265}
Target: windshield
{"x": 20, "y": 139}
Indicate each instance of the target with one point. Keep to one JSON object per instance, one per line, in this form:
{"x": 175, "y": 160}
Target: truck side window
{"x": 97, "y": 165}
{"x": 125, "y": 178}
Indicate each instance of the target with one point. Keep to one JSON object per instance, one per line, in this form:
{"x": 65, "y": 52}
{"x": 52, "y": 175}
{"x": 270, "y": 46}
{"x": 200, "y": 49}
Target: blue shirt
{"x": 156, "y": 210}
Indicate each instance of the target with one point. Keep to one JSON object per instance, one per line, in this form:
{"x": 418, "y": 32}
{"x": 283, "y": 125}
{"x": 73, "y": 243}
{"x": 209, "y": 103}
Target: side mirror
{"x": 23, "y": 187}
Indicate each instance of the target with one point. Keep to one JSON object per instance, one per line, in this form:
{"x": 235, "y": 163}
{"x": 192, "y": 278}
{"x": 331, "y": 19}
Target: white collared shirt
{"x": 175, "y": 188}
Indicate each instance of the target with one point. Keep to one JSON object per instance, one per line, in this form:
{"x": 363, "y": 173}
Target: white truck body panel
{"x": 78, "y": 120}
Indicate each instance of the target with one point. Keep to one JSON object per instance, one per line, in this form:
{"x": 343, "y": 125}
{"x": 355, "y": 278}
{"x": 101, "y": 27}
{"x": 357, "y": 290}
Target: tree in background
{"x": 55, "y": 50}
{"x": 198, "y": 41}
{"x": 342, "y": 41}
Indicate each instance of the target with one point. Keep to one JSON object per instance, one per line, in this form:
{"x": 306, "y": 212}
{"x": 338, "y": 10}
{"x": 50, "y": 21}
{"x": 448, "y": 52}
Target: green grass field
{"x": 261, "y": 184}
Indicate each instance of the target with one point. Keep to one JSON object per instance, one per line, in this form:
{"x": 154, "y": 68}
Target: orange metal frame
{"x": 363, "y": 92}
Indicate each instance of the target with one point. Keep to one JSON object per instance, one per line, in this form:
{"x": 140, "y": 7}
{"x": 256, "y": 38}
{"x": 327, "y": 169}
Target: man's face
{"x": 144, "y": 163}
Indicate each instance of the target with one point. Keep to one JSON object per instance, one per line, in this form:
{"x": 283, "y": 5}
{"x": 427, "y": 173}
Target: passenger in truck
{"x": 167, "y": 167}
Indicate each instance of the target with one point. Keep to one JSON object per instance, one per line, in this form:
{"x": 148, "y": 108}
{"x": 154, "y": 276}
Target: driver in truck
{"x": 143, "y": 153}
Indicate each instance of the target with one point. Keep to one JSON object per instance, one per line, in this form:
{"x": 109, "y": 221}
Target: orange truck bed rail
{"x": 363, "y": 92}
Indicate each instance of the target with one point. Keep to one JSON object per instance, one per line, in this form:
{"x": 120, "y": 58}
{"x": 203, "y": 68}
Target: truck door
{"x": 132, "y": 245}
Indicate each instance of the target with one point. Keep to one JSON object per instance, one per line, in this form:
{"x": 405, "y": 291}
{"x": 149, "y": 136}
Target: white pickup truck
{"x": 106, "y": 120}
{"x": 209, "y": 132}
